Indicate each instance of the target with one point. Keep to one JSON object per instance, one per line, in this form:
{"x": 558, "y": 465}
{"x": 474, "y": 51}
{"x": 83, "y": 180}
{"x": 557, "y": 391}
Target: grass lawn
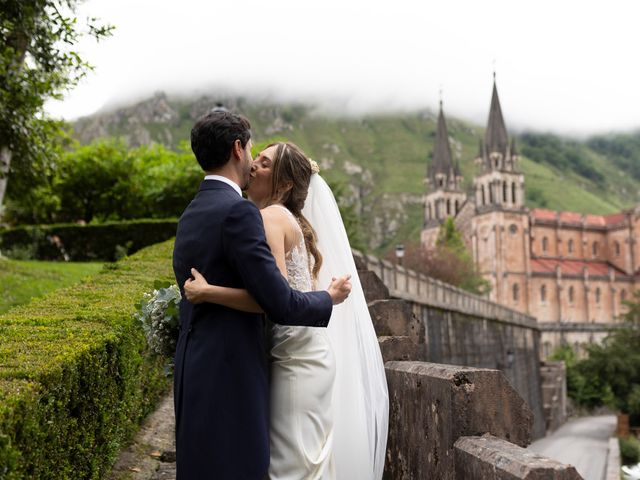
{"x": 21, "y": 280}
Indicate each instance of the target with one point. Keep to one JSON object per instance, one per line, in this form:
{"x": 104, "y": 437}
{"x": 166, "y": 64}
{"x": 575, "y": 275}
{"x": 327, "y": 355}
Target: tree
{"x": 37, "y": 63}
{"x": 449, "y": 261}
{"x": 452, "y": 262}
{"x": 610, "y": 375}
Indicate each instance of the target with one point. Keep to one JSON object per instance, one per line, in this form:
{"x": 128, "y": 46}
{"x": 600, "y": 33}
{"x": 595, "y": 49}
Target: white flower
{"x": 158, "y": 314}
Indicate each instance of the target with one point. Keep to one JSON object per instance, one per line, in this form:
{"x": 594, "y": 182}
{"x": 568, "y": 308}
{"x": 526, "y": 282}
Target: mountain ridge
{"x": 382, "y": 158}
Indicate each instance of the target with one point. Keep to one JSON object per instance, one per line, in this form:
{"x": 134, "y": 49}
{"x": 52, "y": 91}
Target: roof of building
{"x": 573, "y": 267}
{"x": 577, "y": 218}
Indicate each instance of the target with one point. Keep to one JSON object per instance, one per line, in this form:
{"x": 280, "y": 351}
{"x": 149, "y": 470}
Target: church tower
{"x": 444, "y": 180}
{"x": 500, "y": 226}
{"x": 499, "y": 184}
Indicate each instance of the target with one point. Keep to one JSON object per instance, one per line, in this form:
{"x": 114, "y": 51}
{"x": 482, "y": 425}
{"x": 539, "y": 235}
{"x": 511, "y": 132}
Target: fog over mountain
{"x": 568, "y": 67}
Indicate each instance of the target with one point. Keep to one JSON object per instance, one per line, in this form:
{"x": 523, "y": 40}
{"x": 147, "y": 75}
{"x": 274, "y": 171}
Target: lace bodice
{"x": 297, "y": 259}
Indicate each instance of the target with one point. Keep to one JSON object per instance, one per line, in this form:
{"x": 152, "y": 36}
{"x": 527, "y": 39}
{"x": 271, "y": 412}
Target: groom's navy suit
{"x": 221, "y": 385}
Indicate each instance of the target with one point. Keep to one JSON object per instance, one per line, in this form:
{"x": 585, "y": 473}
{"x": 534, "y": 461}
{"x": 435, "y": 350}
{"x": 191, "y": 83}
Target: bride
{"x": 329, "y": 400}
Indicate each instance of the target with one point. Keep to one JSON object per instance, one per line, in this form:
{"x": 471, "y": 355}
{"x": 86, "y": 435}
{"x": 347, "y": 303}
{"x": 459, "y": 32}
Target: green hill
{"x": 381, "y": 159}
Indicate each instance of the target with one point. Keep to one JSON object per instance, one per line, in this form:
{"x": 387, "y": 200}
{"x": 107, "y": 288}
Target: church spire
{"x": 496, "y": 138}
{"x": 499, "y": 184}
{"x": 442, "y": 159}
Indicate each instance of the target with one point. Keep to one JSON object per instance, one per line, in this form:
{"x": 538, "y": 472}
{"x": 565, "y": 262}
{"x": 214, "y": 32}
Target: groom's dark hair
{"x": 213, "y": 136}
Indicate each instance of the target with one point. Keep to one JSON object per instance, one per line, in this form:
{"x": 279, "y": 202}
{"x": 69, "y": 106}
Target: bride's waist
{"x": 302, "y": 341}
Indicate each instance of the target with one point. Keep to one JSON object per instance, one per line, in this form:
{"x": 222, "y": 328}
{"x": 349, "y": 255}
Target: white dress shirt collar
{"x": 220, "y": 178}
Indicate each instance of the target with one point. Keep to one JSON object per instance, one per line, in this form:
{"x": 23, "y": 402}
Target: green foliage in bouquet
{"x": 158, "y": 312}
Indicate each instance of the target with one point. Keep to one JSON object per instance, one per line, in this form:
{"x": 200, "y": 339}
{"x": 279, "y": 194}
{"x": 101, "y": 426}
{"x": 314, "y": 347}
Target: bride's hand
{"x": 339, "y": 289}
{"x": 195, "y": 289}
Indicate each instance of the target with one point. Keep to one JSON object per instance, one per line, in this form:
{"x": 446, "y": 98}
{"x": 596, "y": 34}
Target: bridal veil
{"x": 360, "y": 396}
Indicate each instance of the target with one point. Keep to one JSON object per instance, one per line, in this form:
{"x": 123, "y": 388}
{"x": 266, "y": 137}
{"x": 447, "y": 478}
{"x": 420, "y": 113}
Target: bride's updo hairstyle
{"x": 290, "y": 177}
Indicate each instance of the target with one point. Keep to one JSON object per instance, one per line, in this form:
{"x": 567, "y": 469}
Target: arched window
{"x": 516, "y": 292}
{"x": 441, "y": 182}
{"x": 623, "y": 295}
{"x": 570, "y": 246}
{"x": 598, "y": 295}
{"x": 571, "y": 294}
{"x": 545, "y": 244}
{"x": 543, "y": 294}
{"x": 504, "y": 192}
{"x": 594, "y": 249}
{"x": 484, "y": 200}
{"x": 457, "y": 207}
{"x": 448, "y": 207}
{"x": 430, "y": 214}
{"x": 490, "y": 194}
{"x": 513, "y": 192}
{"x": 616, "y": 248}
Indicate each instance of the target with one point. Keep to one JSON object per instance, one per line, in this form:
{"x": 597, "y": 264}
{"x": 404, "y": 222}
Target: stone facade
{"x": 572, "y": 272}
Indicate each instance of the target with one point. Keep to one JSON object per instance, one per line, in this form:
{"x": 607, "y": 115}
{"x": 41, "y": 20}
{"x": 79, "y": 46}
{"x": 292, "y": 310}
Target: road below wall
{"x": 582, "y": 442}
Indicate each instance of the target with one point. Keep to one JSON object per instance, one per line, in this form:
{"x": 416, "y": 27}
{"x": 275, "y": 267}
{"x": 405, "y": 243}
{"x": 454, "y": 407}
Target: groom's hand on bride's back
{"x": 339, "y": 289}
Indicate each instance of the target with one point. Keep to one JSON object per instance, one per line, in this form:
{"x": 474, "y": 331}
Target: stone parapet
{"x": 373, "y": 287}
{"x": 491, "y": 458}
{"x": 554, "y": 394}
{"x": 577, "y": 327}
{"x": 400, "y": 348}
{"x": 395, "y": 317}
{"x": 432, "y": 405}
{"x": 419, "y": 288}
{"x": 478, "y": 333}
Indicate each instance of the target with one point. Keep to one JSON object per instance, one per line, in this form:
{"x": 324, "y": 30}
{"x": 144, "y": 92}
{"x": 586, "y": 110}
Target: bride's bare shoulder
{"x": 277, "y": 218}
{"x": 274, "y": 213}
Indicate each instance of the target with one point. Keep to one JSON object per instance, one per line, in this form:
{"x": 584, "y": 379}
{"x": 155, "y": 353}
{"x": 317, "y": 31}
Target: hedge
{"x": 76, "y": 377}
{"x": 105, "y": 241}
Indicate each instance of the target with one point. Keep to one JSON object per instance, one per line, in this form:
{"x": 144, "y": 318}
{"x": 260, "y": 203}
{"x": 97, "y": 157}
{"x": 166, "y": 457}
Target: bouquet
{"x": 158, "y": 313}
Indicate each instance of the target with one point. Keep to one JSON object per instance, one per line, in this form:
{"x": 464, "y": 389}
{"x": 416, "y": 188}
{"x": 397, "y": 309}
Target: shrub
{"x": 630, "y": 450}
{"x": 76, "y": 375}
{"x": 106, "y": 180}
{"x": 107, "y": 241}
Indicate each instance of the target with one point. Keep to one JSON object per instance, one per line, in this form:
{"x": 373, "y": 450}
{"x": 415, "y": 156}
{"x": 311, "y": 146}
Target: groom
{"x": 221, "y": 385}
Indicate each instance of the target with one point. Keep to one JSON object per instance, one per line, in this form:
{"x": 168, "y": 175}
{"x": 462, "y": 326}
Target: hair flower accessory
{"x": 314, "y": 166}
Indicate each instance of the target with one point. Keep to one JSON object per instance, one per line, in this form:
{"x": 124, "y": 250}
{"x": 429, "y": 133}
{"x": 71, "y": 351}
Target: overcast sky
{"x": 562, "y": 65}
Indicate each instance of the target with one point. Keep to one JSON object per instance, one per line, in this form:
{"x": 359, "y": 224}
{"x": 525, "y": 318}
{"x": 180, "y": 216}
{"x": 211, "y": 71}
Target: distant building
{"x": 570, "y": 271}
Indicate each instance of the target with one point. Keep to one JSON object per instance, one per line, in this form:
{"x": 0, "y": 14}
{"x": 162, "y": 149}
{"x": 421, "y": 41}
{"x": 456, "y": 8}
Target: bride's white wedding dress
{"x": 302, "y": 375}
{"x": 325, "y": 427}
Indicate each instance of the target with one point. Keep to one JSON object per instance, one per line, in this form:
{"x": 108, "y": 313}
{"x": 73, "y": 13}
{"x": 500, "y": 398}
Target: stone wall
{"x": 554, "y": 394}
{"x": 488, "y": 457}
{"x": 452, "y": 326}
{"x": 460, "y": 423}
{"x": 576, "y": 335}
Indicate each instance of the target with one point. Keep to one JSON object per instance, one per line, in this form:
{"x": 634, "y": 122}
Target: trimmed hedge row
{"x": 76, "y": 377}
{"x": 106, "y": 241}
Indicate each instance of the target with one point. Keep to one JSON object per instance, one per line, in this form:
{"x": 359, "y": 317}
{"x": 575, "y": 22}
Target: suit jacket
{"x": 220, "y": 377}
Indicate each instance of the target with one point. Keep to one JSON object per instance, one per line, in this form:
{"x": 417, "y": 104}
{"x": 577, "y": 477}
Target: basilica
{"x": 570, "y": 271}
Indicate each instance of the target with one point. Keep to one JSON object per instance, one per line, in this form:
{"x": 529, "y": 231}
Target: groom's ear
{"x": 236, "y": 149}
